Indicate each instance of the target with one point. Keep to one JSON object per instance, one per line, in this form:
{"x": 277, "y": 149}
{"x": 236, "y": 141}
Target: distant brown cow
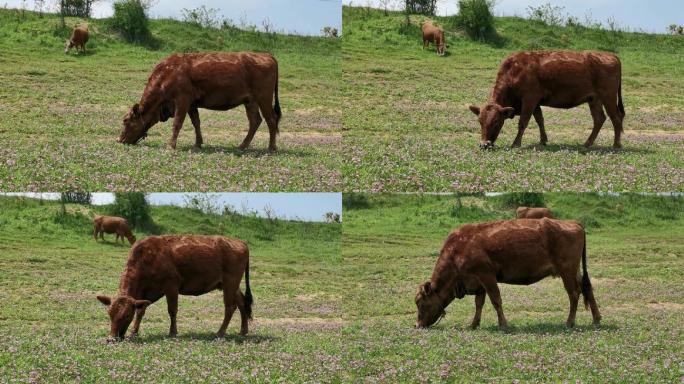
{"x": 187, "y": 265}
{"x": 476, "y": 257}
{"x": 112, "y": 224}
{"x": 559, "y": 79}
{"x": 78, "y": 39}
{"x": 433, "y": 34}
{"x": 532, "y": 213}
{"x": 182, "y": 83}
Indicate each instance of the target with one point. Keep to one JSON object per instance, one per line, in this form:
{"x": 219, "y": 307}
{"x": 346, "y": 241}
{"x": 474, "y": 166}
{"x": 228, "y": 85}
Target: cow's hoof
{"x": 243, "y": 146}
{"x": 570, "y": 324}
{"x": 617, "y": 146}
{"x": 272, "y": 150}
{"x": 172, "y": 335}
{"x": 474, "y": 325}
{"x": 220, "y": 335}
{"x": 243, "y": 332}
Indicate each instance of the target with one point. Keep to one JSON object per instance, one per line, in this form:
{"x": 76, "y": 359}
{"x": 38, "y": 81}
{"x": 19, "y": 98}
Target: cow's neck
{"x": 130, "y": 284}
{"x": 500, "y": 95}
{"x": 444, "y": 281}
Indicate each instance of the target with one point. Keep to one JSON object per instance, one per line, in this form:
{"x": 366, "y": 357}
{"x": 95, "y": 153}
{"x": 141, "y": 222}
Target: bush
{"x": 133, "y": 207}
{"x": 202, "y": 16}
{"x": 548, "y": 14}
{"x": 76, "y": 197}
{"x": 522, "y": 199}
{"x": 130, "y": 19}
{"x": 475, "y": 18}
{"x": 355, "y": 201}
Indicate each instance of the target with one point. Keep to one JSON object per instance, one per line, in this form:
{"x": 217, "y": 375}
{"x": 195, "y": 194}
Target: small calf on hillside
{"x": 78, "y": 39}
{"x": 533, "y": 213}
{"x": 112, "y": 224}
{"x": 434, "y": 34}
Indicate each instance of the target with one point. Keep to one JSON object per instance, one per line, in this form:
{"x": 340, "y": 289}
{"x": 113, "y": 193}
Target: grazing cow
{"x": 112, "y": 224}
{"x": 187, "y": 265}
{"x": 532, "y": 213}
{"x": 433, "y": 34}
{"x": 182, "y": 83}
{"x": 78, "y": 39}
{"x": 559, "y": 79}
{"x": 475, "y": 257}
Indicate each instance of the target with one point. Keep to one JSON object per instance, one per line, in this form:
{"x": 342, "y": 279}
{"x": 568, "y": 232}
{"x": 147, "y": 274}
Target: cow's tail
{"x": 587, "y": 290}
{"x": 276, "y": 107}
{"x": 621, "y": 106}
{"x": 249, "y": 300}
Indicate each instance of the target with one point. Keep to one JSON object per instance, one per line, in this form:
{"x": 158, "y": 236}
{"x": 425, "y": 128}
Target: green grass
{"x": 636, "y": 264}
{"x": 407, "y": 126}
{"x": 62, "y": 113}
{"x": 52, "y": 328}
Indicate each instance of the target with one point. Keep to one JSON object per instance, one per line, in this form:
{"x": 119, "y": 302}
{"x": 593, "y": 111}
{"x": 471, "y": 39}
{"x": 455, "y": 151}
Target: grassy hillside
{"x": 53, "y": 329}
{"x": 635, "y": 260}
{"x": 61, "y": 113}
{"x": 408, "y": 126}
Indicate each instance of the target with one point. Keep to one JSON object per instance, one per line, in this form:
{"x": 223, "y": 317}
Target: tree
{"x": 133, "y": 207}
{"x": 421, "y": 7}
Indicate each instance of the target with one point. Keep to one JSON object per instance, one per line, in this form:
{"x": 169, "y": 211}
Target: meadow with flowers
{"x": 407, "y": 126}
{"x": 61, "y": 113}
{"x": 635, "y": 259}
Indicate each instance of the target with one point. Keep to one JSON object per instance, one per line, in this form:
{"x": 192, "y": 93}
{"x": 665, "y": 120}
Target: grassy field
{"x": 62, "y": 113}
{"x": 52, "y": 329}
{"x": 407, "y": 126}
{"x": 635, "y": 260}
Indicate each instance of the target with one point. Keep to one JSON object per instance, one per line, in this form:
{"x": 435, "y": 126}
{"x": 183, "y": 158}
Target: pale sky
{"x": 649, "y": 16}
{"x": 300, "y": 206}
{"x": 304, "y": 17}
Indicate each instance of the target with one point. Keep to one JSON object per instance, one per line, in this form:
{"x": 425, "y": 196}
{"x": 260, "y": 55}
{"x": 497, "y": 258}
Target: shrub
{"x": 475, "y": 18}
{"x": 202, "y": 16}
{"x": 130, "y": 19}
{"x": 76, "y": 197}
{"x": 133, "y": 207}
{"x": 548, "y": 14}
{"x": 355, "y": 201}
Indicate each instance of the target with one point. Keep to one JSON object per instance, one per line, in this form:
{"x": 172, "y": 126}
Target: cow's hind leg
{"x": 489, "y": 283}
{"x": 572, "y": 287}
{"x": 229, "y": 303}
{"x": 244, "y": 319}
{"x": 252, "y": 109}
{"x": 479, "y": 303}
{"x": 616, "y": 118}
{"x": 194, "y": 118}
{"x": 599, "y": 118}
{"x": 272, "y": 121}
{"x": 539, "y": 118}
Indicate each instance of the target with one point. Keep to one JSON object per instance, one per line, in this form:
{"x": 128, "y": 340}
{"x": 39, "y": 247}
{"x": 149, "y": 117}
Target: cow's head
{"x": 121, "y": 310}
{"x": 131, "y": 238}
{"x": 68, "y": 45}
{"x": 492, "y": 117}
{"x": 134, "y": 126}
{"x": 430, "y": 305}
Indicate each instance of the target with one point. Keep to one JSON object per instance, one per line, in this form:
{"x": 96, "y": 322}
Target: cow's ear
{"x": 140, "y": 304}
{"x": 104, "y": 299}
{"x": 426, "y": 288}
{"x": 475, "y": 110}
{"x": 508, "y": 112}
{"x": 136, "y": 110}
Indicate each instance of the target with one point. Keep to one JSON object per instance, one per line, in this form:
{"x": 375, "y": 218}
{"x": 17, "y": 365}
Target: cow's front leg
{"x": 178, "y": 120}
{"x": 194, "y": 118}
{"x": 172, "y": 307}
{"x": 489, "y": 283}
{"x": 539, "y": 118}
{"x": 139, "y": 313}
{"x": 525, "y": 116}
{"x": 479, "y": 303}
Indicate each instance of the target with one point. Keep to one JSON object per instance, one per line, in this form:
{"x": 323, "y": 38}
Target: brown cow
{"x": 112, "y": 224}
{"x": 182, "y": 83}
{"x": 187, "y": 265}
{"x": 78, "y": 39}
{"x": 476, "y": 257}
{"x": 559, "y": 79}
{"x": 433, "y": 34}
{"x": 532, "y": 213}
